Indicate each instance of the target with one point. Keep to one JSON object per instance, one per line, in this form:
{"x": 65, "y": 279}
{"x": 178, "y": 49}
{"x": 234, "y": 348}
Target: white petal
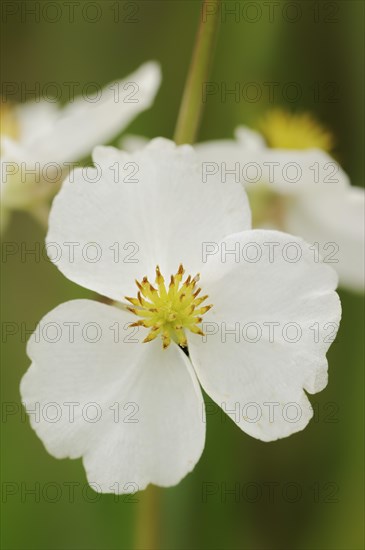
{"x": 132, "y": 143}
{"x": 36, "y": 118}
{"x": 245, "y": 148}
{"x": 228, "y": 151}
{"x": 158, "y": 211}
{"x": 335, "y": 220}
{"x": 290, "y": 171}
{"x": 21, "y": 189}
{"x": 15, "y": 151}
{"x": 257, "y": 367}
{"x": 287, "y": 171}
{"x": 249, "y": 139}
{"x": 83, "y": 124}
{"x": 146, "y": 404}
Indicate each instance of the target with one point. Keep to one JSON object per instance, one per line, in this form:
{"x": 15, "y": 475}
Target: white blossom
{"x": 40, "y": 140}
{"x": 254, "y": 337}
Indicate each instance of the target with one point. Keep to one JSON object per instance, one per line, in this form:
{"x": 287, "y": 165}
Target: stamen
{"x": 169, "y": 312}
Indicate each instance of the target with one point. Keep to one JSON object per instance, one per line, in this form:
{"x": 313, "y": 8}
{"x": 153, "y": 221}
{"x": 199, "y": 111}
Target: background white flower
{"x": 43, "y": 132}
{"x": 321, "y": 206}
{"x": 173, "y": 217}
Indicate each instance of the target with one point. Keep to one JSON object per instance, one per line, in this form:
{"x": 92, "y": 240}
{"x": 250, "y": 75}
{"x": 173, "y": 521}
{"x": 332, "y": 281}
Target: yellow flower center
{"x": 168, "y": 312}
{"x": 8, "y": 120}
{"x": 285, "y": 130}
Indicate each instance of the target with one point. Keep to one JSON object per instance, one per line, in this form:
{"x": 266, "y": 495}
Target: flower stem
{"x": 148, "y": 520}
{"x": 192, "y": 102}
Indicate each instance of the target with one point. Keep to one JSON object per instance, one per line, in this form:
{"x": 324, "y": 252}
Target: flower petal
{"x": 84, "y": 123}
{"x": 335, "y": 220}
{"x": 148, "y": 208}
{"x": 286, "y": 171}
{"x": 36, "y": 118}
{"x": 221, "y": 151}
{"x": 138, "y": 413}
{"x": 268, "y": 332}
{"x": 132, "y": 143}
{"x": 249, "y": 139}
{"x": 290, "y": 171}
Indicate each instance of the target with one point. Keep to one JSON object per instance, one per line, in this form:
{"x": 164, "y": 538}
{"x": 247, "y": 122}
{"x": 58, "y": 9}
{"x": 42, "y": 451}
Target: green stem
{"x": 149, "y": 520}
{"x": 192, "y": 102}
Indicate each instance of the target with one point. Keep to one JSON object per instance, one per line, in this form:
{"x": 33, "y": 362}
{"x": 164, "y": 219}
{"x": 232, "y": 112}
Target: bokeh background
{"x": 305, "y": 492}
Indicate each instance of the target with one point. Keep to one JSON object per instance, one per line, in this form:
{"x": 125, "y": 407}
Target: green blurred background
{"x": 305, "y": 492}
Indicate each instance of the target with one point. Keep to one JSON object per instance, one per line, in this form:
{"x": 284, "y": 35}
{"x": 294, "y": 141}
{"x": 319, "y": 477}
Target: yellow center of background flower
{"x": 169, "y": 312}
{"x": 285, "y": 130}
{"x": 8, "y": 121}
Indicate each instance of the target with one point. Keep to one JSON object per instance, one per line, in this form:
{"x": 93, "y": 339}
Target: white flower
{"x": 271, "y": 313}
{"x": 321, "y": 206}
{"x": 41, "y": 137}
